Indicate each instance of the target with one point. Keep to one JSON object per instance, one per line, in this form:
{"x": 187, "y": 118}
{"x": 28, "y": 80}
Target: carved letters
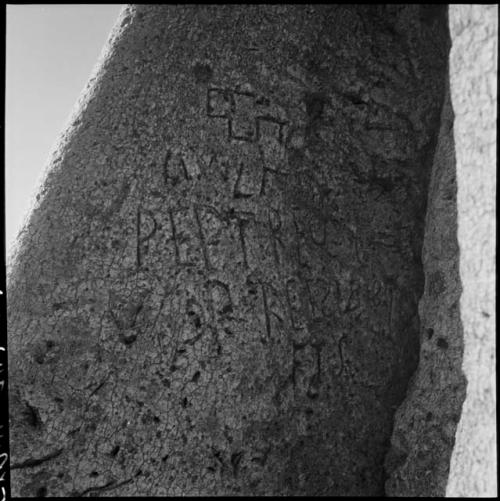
{"x": 213, "y": 231}
{"x": 220, "y": 296}
{"x": 248, "y": 179}
{"x": 146, "y": 229}
{"x": 179, "y": 167}
{"x": 321, "y": 297}
{"x": 306, "y": 369}
{"x": 244, "y": 118}
{"x": 187, "y": 250}
{"x": 294, "y": 296}
{"x": 275, "y": 224}
{"x": 307, "y": 299}
{"x": 174, "y": 169}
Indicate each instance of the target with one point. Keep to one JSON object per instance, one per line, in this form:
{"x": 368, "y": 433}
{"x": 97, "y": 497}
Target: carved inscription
{"x": 241, "y": 123}
{"x": 179, "y": 167}
{"x": 220, "y": 295}
{"x": 128, "y": 316}
{"x": 214, "y": 234}
{"x": 272, "y": 307}
{"x": 306, "y": 369}
{"x": 315, "y": 289}
{"x": 174, "y": 169}
{"x": 267, "y": 316}
{"x": 182, "y": 224}
{"x": 249, "y": 176}
{"x": 244, "y": 115}
{"x": 275, "y": 224}
{"x": 242, "y": 220}
{"x": 203, "y": 243}
{"x": 323, "y": 297}
{"x": 351, "y": 296}
{"x": 146, "y": 229}
{"x": 294, "y": 295}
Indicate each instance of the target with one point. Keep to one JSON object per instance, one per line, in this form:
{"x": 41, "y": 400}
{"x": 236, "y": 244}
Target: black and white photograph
{"x": 249, "y": 250}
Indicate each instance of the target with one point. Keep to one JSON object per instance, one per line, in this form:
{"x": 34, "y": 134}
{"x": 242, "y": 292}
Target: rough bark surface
{"x": 457, "y": 310}
{"x": 473, "y": 76}
{"x": 217, "y": 290}
{"x": 425, "y": 424}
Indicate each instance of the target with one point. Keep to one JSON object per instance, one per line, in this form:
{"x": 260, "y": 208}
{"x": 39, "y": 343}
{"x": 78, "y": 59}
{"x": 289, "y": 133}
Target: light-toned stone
{"x": 473, "y": 78}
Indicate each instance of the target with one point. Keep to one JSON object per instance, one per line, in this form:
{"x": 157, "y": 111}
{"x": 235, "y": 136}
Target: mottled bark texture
{"x": 425, "y": 425}
{"x": 457, "y": 312}
{"x": 457, "y": 309}
{"x": 217, "y": 291}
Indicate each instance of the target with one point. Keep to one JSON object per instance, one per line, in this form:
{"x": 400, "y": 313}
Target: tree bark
{"x": 444, "y": 435}
{"x": 217, "y": 290}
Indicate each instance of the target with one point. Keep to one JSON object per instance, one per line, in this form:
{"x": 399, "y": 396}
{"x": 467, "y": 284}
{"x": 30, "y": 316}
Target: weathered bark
{"x": 217, "y": 290}
{"x": 425, "y": 424}
{"x": 436, "y": 449}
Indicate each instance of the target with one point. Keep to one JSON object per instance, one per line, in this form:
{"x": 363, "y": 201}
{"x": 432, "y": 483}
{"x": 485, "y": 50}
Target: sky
{"x": 50, "y": 53}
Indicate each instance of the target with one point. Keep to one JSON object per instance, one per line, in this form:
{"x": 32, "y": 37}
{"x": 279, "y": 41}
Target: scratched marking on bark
{"x": 246, "y": 119}
{"x": 142, "y": 240}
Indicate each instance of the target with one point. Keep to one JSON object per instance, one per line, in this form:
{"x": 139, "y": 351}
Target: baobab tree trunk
{"x": 437, "y": 448}
{"x": 217, "y": 290}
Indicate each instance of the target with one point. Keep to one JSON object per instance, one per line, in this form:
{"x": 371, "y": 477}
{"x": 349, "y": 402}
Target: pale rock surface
{"x": 473, "y": 77}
